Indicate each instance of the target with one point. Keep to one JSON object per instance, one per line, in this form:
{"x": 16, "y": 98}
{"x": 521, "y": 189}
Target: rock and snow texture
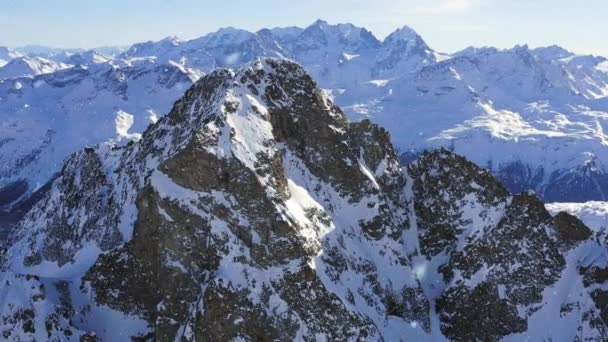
{"x": 594, "y": 214}
{"x": 255, "y": 211}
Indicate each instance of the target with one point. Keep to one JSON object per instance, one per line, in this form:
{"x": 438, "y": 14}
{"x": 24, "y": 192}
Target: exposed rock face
{"x": 447, "y": 186}
{"x": 255, "y": 211}
{"x": 498, "y": 253}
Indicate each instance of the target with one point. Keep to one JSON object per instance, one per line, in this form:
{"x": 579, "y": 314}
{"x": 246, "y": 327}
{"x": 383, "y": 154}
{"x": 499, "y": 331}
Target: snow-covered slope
{"x": 7, "y": 54}
{"x": 29, "y": 66}
{"x": 43, "y": 119}
{"x": 87, "y": 58}
{"x": 274, "y": 218}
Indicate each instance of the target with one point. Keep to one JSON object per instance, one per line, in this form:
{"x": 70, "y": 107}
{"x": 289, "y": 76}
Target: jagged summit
{"x": 172, "y": 39}
{"x": 320, "y": 23}
{"x": 151, "y": 48}
{"x": 473, "y": 50}
{"x": 552, "y": 52}
{"x": 85, "y": 58}
{"x": 347, "y": 36}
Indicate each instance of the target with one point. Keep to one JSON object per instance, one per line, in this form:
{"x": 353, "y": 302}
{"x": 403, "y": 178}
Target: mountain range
{"x": 309, "y": 183}
{"x": 254, "y": 210}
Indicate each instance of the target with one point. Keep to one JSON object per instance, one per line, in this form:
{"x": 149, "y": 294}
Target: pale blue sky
{"x": 446, "y": 25}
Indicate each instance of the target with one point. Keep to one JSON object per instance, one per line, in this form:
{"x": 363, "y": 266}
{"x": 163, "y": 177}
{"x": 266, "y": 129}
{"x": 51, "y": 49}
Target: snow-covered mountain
{"x": 45, "y": 51}
{"x": 338, "y": 56}
{"x": 255, "y": 210}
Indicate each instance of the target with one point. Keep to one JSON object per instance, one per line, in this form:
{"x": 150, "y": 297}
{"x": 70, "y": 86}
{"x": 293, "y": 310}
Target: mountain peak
{"x": 289, "y": 32}
{"x": 279, "y": 80}
{"x": 171, "y": 39}
{"x": 231, "y": 30}
{"x": 224, "y": 35}
{"x": 403, "y": 52}
{"x": 346, "y": 35}
{"x": 320, "y": 22}
{"x": 552, "y": 52}
{"x": 473, "y": 50}
{"x": 87, "y": 57}
{"x": 521, "y": 48}
{"x": 270, "y": 175}
{"x": 404, "y": 33}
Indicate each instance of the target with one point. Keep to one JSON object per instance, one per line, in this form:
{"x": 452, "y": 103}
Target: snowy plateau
{"x": 310, "y": 184}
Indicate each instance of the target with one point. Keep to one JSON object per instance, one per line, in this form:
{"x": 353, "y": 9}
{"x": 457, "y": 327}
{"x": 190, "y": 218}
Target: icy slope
{"x": 256, "y": 197}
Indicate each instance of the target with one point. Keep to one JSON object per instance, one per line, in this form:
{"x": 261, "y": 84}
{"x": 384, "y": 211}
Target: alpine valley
{"x": 311, "y": 184}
